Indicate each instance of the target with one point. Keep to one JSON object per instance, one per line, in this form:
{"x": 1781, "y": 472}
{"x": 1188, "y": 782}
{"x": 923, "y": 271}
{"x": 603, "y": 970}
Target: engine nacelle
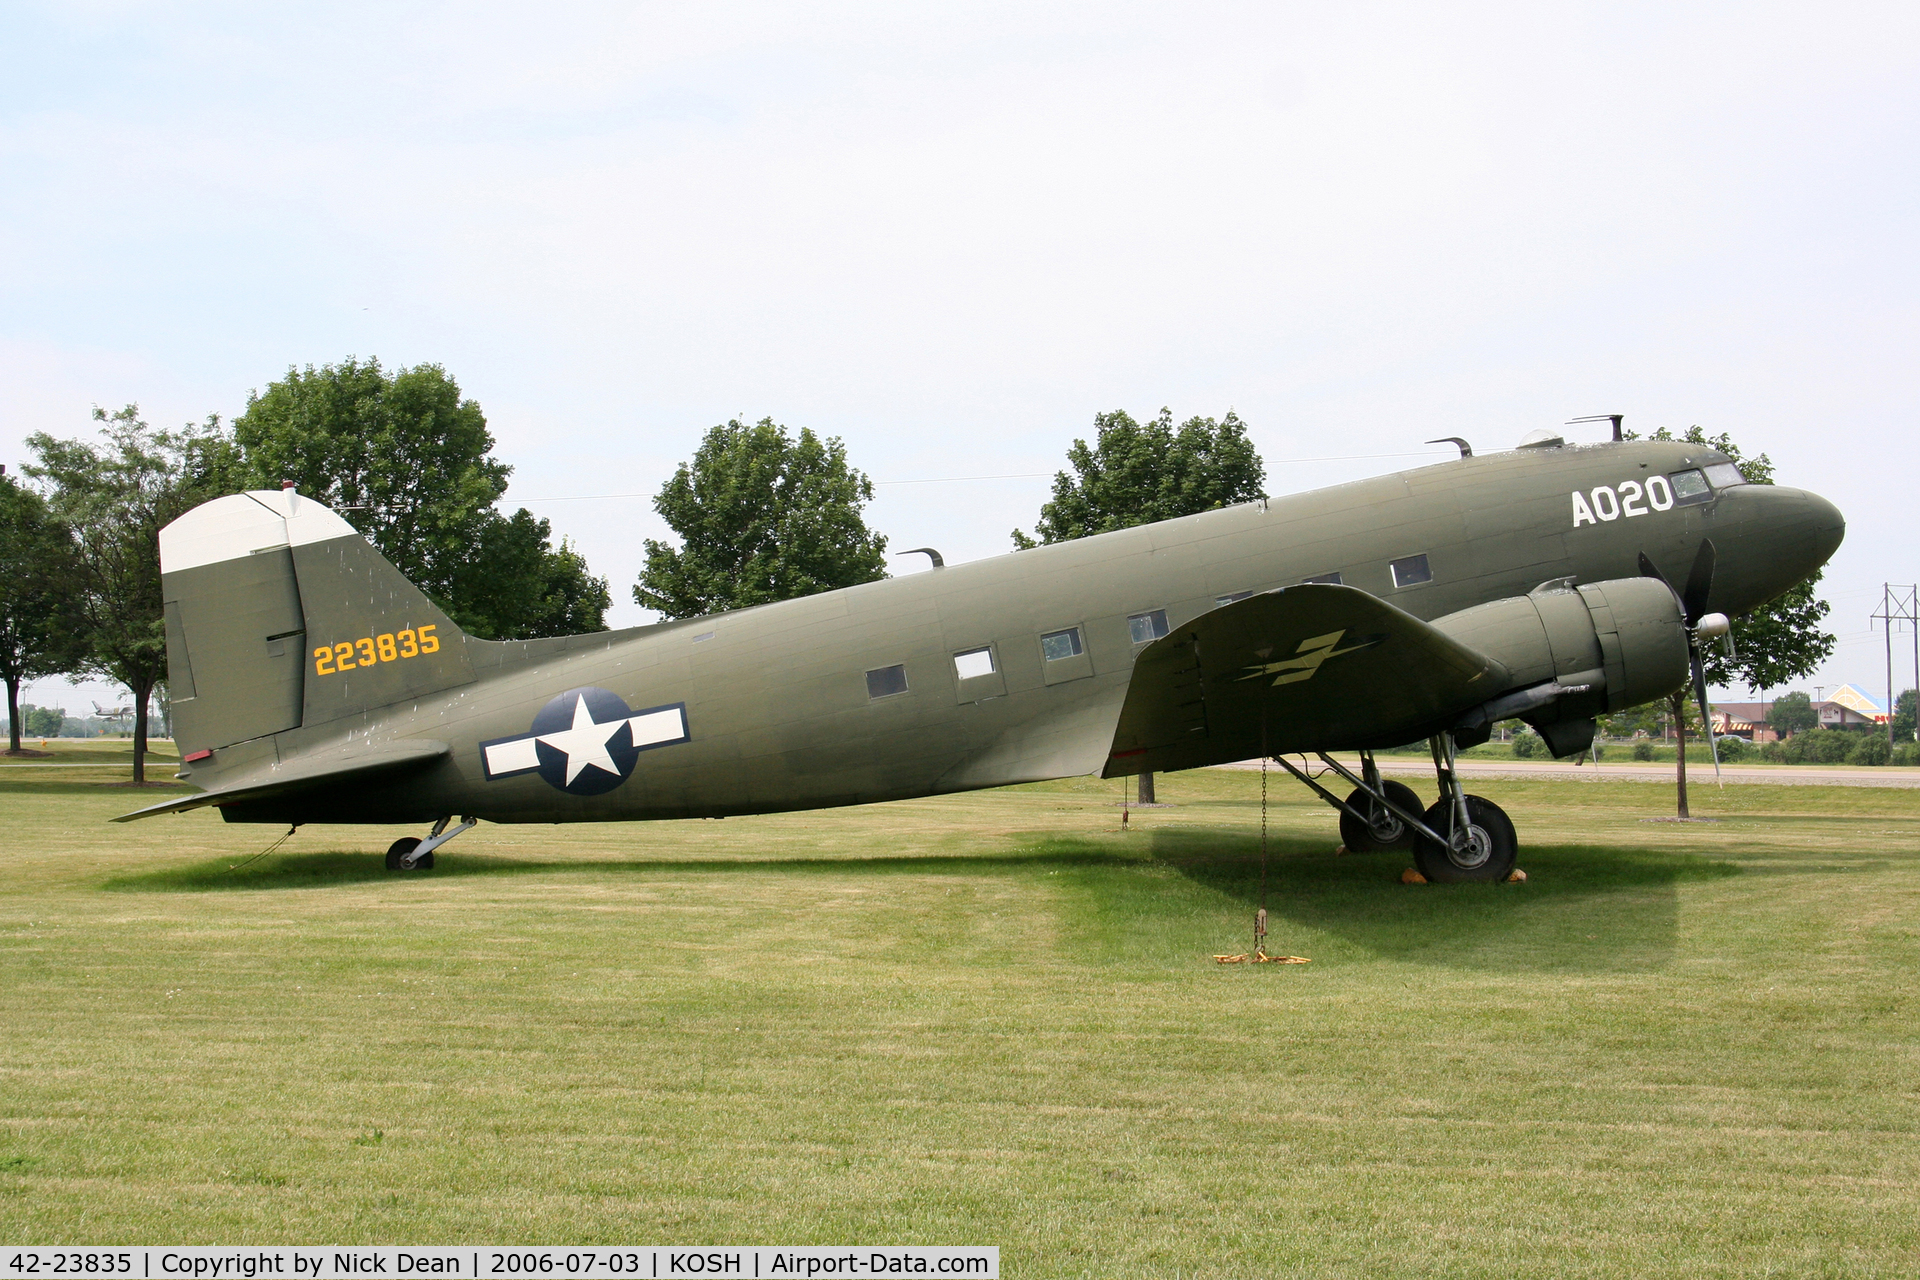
{"x": 1577, "y": 652}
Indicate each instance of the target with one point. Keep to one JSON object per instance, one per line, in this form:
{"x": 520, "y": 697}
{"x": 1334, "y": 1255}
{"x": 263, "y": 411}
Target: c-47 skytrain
{"x": 1554, "y": 583}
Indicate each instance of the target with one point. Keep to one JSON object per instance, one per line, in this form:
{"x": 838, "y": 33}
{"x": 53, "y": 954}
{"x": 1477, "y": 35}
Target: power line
{"x": 1900, "y": 604}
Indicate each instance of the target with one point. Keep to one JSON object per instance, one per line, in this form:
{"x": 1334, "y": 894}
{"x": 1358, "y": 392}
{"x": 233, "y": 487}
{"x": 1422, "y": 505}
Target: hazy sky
{"x": 951, "y": 236}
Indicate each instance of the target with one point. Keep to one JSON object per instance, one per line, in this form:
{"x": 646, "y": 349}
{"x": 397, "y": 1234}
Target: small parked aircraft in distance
{"x": 1554, "y": 583}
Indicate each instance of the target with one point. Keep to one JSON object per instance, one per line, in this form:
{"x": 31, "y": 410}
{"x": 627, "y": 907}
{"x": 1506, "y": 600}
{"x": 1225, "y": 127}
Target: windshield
{"x": 1689, "y": 487}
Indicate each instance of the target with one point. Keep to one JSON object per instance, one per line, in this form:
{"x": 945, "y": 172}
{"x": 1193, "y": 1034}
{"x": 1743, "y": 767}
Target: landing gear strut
{"x": 410, "y": 853}
{"x": 1368, "y": 825}
{"x": 1465, "y": 837}
{"x": 1460, "y": 837}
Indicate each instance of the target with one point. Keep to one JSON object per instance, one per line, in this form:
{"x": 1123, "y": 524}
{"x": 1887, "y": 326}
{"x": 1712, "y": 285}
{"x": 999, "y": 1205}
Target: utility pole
{"x": 1900, "y": 604}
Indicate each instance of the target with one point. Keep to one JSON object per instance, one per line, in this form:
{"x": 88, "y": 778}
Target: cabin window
{"x": 1412, "y": 571}
{"x": 884, "y": 682}
{"x": 1330, "y": 579}
{"x": 1724, "y": 475}
{"x": 973, "y": 664}
{"x": 1056, "y": 645}
{"x": 1147, "y": 626}
{"x": 704, "y": 635}
{"x": 1219, "y": 601}
{"x": 1689, "y": 487}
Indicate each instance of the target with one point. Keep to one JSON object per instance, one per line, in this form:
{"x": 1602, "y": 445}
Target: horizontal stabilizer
{"x": 321, "y": 768}
{"x": 1315, "y": 667}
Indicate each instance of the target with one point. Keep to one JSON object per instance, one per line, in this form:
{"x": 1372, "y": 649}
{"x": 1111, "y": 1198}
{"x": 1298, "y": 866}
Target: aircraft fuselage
{"x": 1012, "y": 668}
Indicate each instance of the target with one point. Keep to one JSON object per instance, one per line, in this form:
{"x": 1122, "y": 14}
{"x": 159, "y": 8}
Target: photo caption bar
{"x": 485, "y": 1262}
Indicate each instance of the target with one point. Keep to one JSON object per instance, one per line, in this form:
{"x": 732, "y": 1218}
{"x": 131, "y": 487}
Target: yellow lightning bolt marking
{"x": 1306, "y": 660}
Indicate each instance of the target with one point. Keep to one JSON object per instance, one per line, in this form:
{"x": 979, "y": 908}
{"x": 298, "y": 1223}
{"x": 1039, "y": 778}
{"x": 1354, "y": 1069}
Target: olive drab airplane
{"x": 1554, "y": 583}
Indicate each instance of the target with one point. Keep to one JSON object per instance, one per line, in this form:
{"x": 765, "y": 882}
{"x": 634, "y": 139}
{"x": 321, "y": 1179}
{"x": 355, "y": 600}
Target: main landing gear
{"x": 410, "y": 853}
{"x": 1458, "y": 838}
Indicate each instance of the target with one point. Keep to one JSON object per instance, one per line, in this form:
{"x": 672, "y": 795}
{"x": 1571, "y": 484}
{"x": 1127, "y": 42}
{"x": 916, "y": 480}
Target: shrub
{"x": 1732, "y": 749}
{"x": 1527, "y": 745}
{"x": 1643, "y": 749}
{"x": 1871, "y": 749}
{"x": 1774, "y": 752}
{"x": 1906, "y": 753}
{"x": 1819, "y": 746}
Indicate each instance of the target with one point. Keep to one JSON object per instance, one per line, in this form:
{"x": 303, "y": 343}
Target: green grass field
{"x": 990, "y": 1019}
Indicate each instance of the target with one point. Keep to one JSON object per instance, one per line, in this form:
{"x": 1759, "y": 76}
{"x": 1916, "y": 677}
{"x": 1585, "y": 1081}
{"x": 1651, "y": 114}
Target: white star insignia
{"x": 585, "y": 744}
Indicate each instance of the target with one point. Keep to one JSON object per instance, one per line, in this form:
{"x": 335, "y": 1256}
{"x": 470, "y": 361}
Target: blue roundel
{"x": 585, "y": 742}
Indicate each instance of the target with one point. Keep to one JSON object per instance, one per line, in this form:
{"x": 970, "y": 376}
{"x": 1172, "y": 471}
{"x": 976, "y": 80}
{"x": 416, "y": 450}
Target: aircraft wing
{"x": 1315, "y": 667}
{"x": 305, "y": 772}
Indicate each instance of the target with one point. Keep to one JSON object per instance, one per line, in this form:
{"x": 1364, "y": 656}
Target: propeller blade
{"x": 1699, "y": 582}
{"x": 1706, "y": 711}
{"x": 1648, "y": 569}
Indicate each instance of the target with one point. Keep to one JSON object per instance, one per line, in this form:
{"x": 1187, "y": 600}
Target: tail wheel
{"x": 1383, "y": 829}
{"x": 401, "y": 848}
{"x": 1485, "y": 851}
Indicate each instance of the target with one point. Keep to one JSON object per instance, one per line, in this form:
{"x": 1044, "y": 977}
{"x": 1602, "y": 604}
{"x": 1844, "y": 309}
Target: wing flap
{"x": 1315, "y": 667}
{"x": 305, "y": 772}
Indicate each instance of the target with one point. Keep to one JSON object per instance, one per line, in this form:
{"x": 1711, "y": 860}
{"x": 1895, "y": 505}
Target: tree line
{"x": 403, "y": 456}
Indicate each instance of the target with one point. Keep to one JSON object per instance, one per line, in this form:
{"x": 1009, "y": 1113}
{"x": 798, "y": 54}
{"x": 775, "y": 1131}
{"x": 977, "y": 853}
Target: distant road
{"x": 62, "y": 764}
{"x": 1630, "y": 771}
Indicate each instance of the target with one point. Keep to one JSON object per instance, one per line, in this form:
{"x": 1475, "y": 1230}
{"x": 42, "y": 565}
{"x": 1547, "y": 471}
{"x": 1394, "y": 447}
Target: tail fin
{"x": 279, "y": 614}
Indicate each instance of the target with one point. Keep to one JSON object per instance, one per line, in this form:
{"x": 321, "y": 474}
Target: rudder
{"x": 279, "y": 615}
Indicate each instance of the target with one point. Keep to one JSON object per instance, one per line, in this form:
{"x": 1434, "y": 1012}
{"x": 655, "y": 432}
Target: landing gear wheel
{"x": 1485, "y": 851}
{"x": 1385, "y": 830}
{"x": 401, "y": 848}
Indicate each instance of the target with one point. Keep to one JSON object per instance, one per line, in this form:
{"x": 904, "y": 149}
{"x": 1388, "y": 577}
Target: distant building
{"x": 1743, "y": 720}
{"x": 1849, "y": 707}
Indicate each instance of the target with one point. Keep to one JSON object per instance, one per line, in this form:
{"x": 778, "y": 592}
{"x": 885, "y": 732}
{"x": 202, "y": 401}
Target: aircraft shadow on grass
{"x": 334, "y": 868}
{"x": 1582, "y": 906}
{"x": 1174, "y": 892}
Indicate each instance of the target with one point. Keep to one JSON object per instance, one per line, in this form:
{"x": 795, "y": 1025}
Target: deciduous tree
{"x": 112, "y": 499}
{"x": 39, "y": 624}
{"x": 516, "y": 585}
{"x": 762, "y": 516}
{"x": 1137, "y": 473}
{"x": 405, "y": 458}
{"x": 1792, "y": 712}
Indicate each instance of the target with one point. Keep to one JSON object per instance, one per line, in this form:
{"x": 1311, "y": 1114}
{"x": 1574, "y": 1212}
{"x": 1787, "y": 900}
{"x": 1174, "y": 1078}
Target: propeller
{"x": 1701, "y": 625}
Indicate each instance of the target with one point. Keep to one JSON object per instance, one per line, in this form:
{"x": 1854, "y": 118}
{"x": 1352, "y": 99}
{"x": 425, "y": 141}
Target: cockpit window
{"x": 1689, "y": 487}
{"x": 1724, "y": 475}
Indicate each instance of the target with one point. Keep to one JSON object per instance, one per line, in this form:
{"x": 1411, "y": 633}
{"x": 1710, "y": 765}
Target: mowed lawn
{"x": 984, "y": 1019}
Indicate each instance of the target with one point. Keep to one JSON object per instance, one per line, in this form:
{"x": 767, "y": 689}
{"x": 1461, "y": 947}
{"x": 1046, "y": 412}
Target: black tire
{"x": 401, "y": 848}
{"x": 1386, "y": 831}
{"x": 1486, "y": 855}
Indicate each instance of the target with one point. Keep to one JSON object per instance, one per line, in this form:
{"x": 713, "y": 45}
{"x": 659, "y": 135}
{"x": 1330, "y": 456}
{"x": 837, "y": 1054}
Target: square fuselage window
{"x": 884, "y": 682}
{"x": 1412, "y": 571}
{"x": 1055, "y": 645}
{"x": 1147, "y": 626}
{"x": 1327, "y": 579}
{"x": 973, "y": 664}
{"x": 1221, "y": 602}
